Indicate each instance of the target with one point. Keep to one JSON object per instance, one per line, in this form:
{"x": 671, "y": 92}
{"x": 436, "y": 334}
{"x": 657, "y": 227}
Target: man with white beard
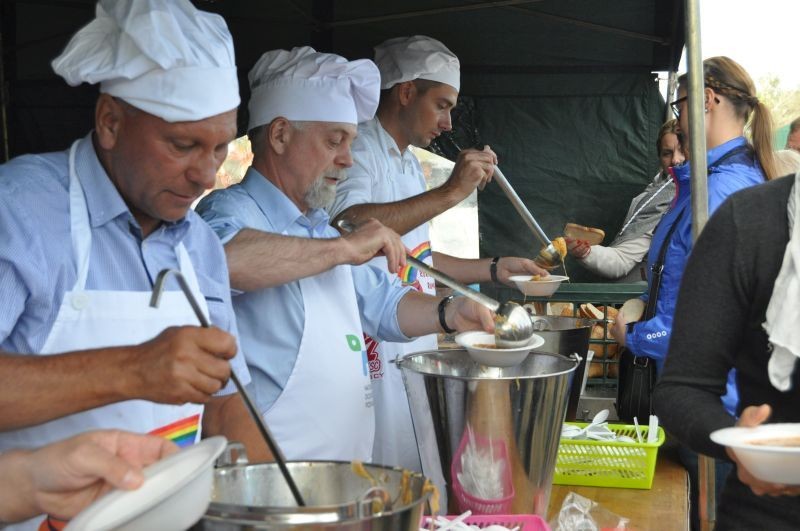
{"x": 302, "y": 307}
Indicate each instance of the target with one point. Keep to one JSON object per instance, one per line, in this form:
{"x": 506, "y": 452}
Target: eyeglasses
{"x": 676, "y": 105}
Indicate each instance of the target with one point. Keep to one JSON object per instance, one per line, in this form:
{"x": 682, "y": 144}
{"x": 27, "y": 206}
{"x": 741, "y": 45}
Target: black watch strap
{"x": 442, "y": 321}
{"x": 493, "y": 269}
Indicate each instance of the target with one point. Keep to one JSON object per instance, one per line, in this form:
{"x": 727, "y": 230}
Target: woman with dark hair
{"x": 734, "y": 163}
{"x": 624, "y": 258}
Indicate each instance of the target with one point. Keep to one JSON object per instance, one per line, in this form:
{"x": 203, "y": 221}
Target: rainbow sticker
{"x": 183, "y": 432}
{"x": 408, "y": 274}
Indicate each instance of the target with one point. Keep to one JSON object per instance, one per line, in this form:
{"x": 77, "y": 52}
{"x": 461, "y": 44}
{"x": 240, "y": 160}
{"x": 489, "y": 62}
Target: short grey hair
{"x": 256, "y": 134}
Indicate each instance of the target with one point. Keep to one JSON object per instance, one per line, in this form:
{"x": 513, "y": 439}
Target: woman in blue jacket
{"x": 734, "y": 163}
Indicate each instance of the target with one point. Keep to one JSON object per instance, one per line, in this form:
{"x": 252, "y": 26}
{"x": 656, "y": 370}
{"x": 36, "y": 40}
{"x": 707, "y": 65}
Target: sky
{"x": 761, "y": 35}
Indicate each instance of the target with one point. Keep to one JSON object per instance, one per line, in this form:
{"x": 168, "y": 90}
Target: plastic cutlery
{"x": 652, "y": 430}
{"x": 638, "y": 431}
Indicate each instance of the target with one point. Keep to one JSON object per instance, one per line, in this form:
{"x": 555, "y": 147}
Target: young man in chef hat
{"x": 86, "y": 231}
{"x": 420, "y": 80}
{"x": 306, "y": 303}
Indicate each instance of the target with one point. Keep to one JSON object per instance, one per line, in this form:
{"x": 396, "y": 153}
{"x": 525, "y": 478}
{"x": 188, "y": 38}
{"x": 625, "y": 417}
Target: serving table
{"x": 664, "y": 507}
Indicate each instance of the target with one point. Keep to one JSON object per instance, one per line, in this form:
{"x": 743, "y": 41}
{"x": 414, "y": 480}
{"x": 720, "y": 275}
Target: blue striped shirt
{"x": 272, "y": 320}
{"x": 37, "y": 264}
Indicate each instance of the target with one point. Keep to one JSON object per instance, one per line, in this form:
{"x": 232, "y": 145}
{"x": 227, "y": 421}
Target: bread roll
{"x": 590, "y": 235}
{"x": 609, "y": 311}
{"x": 564, "y": 309}
{"x": 590, "y": 311}
{"x": 633, "y": 310}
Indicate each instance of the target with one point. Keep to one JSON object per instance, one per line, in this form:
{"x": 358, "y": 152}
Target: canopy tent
{"x": 563, "y": 90}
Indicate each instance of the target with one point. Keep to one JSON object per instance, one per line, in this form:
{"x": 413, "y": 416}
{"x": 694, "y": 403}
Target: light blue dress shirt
{"x": 37, "y": 263}
{"x": 271, "y": 320}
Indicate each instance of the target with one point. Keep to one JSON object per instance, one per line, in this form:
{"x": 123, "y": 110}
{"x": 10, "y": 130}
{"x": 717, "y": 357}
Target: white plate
{"x": 495, "y": 357}
{"x": 777, "y": 464}
{"x": 544, "y": 287}
{"x": 175, "y": 494}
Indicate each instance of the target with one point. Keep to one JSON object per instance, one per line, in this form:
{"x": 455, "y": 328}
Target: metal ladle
{"x": 158, "y": 288}
{"x": 513, "y": 326}
{"x": 548, "y": 257}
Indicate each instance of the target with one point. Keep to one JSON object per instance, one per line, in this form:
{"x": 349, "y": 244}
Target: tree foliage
{"x": 783, "y": 103}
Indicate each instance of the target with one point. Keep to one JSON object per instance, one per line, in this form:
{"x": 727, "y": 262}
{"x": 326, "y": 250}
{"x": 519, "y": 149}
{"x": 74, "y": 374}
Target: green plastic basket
{"x": 608, "y": 463}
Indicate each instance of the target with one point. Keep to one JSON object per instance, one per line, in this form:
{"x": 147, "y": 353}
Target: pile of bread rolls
{"x": 606, "y": 315}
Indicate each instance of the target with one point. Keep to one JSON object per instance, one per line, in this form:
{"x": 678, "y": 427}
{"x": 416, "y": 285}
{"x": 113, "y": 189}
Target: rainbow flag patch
{"x": 408, "y": 274}
{"x": 183, "y": 432}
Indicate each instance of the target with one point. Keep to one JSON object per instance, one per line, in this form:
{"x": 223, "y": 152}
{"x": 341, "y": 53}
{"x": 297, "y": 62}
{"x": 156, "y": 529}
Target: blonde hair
{"x": 729, "y": 79}
{"x": 669, "y": 127}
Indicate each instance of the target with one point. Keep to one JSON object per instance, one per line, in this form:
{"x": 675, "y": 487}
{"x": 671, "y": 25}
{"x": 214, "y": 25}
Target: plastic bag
{"x": 582, "y": 514}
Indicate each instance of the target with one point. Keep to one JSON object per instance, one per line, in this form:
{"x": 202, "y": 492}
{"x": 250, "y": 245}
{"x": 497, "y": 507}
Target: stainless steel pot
{"x": 516, "y": 412}
{"x": 567, "y": 336}
{"x": 254, "y": 496}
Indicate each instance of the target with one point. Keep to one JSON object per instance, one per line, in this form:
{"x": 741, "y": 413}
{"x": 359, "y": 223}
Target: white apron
{"x": 325, "y": 409}
{"x": 97, "y": 318}
{"x": 395, "y": 440}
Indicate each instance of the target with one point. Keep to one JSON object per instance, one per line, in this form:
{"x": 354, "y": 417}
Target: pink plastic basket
{"x": 468, "y": 502}
{"x": 525, "y": 522}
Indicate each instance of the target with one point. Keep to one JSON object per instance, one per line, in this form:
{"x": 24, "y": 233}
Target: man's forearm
{"x": 402, "y": 216}
{"x": 258, "y": 260}
{"x": 17, "y": 495}
{"x": 36, "y": 389}
{"x": 418, "y": 314}
{"x": 228, "y": 416}
{"x": 465, "y": 270}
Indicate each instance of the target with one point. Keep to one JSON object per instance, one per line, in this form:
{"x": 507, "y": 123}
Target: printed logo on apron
{"x": 373, "y": 358}
{"x": 182, "y": 432}
{"x": 411, "y": 276}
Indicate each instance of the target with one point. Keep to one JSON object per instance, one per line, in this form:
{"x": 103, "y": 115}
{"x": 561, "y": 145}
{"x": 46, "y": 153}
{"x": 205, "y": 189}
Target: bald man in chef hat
{"x": 86, "y": 231}
{"x": 306, "y": 302}
{"x": 420, "y": 82}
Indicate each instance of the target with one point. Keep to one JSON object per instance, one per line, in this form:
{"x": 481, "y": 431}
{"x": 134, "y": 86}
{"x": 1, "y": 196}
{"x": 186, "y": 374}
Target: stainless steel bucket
{"x": 518, "y": 410}
{"x": 255, "y": 496}
{"x": 566, "y": 335}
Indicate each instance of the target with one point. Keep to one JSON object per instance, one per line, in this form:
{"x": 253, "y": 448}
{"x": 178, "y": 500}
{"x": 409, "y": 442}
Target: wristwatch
{"x": 493, "y": 269}
{"x": 442, "y": 321}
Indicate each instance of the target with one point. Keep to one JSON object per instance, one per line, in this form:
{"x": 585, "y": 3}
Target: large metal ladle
{"x": 548, "y": 257}
{"x": 158, "y": 288}
{"x": 513, "y": 326}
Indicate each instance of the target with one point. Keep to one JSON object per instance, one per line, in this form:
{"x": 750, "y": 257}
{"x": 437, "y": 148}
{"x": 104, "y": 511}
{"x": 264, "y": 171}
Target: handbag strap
{"x": 657, "y": 270}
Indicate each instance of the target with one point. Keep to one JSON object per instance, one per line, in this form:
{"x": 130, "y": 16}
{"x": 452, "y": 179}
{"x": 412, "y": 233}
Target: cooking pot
{"x": 566, "y": 336}
{"x": 255, "y": 496}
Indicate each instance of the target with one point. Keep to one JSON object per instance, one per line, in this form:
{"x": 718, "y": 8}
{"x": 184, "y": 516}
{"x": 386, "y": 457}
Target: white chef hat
{"x": 162, "y": 56}
{"x": 417, "y": 57}
{"x": 306, "y": 85}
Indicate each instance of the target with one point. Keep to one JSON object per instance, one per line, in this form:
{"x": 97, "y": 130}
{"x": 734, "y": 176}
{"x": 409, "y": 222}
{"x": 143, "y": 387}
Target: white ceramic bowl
{"x": 175, "y": 494}
{"x": 544, "y": 287}
{"x": 776, "y": 464}
{"x": 495, "y": 357}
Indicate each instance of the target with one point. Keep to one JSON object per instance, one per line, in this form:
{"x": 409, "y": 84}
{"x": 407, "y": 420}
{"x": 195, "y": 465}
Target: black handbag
{"x": 637, "y": 374}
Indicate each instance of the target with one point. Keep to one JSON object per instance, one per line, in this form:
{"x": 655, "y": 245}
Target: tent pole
{"x": 697, "y": 129}
{"x": 699, "y": 185}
